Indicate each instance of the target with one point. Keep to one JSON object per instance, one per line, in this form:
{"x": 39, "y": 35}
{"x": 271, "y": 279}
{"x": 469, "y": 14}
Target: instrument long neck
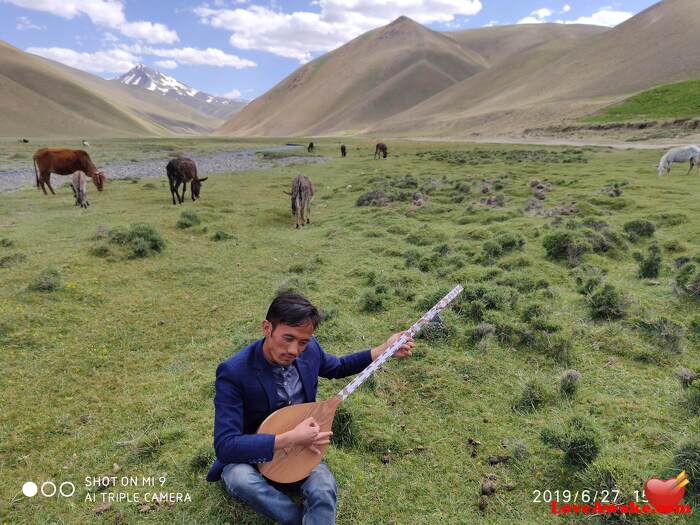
{"x": 412, "y": 331}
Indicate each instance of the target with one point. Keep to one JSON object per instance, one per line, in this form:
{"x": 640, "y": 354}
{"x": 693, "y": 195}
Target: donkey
{"x": 182, "y": 171}
{"x": 380, "y": 148}
{"x": 79, "y": 186}
{"x": 683, "y": 154}
{"x": 343, "y": 150}
{"x": 302, "y": 193}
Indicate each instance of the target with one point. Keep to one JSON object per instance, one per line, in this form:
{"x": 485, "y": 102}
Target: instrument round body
{"x": 294, "y": 463}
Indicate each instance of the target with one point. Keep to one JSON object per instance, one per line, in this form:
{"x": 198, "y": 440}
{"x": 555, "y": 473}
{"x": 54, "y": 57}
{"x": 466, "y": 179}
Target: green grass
{"x": 132, "y": 343}
{"x": 678, "y": 100}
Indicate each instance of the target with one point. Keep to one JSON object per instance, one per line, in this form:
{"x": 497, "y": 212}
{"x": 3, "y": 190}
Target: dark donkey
{"x": 302, "y": 193}
{"x": 381, "y": 148}
{"x": 182, "y": 171}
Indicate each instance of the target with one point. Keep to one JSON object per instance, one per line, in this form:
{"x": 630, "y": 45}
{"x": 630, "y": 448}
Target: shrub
{"x": 534, "y": 395}
{"x": 11, "y": 260}
{"x": 687, "y": 458}
{"x": 222, "y": 236}
{"x": 568, "y": 384}
{"x": 145, "y": 240}
{"x": 688, "y": 280}
{"x": 6, "y": 243}
{"x": 140, "y": 240}
{"x": 492, "y": 250}
{"x": 639, "y": 228}
{"x": 344, "y": 427}
{"x": 565, "y": 245}
{"x": 371, "y": 302}
{"x": 48, "y": 280}
{"x": 372, "y": 198}
{"x": 579, "y": 442}
{"x": 650, "y": 265}
{"x": 556, "y": 346}
{"x": 187, "y": 219}
{"x": 607, "y": 303}
{"x": 669, "y": 333}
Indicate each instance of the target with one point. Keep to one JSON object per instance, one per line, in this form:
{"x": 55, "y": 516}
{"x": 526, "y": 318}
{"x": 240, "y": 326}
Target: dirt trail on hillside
{"x": 556, "y": 141}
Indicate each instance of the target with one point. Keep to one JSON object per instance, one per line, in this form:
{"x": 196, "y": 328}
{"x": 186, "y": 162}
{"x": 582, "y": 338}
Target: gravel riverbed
{"x": 224, "y": 162}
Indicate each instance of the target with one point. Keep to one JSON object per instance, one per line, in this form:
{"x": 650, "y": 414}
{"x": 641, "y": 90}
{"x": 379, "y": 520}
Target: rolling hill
{"x": 41, "y": 97}
{"x": 507, "y": 78}
{"x": 372, "y": 77}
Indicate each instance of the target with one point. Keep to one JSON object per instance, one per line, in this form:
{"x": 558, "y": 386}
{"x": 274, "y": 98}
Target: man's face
{"x": 285, "y": 343}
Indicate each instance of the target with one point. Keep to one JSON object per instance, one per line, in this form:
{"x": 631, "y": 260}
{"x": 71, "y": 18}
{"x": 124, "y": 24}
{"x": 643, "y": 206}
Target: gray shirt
{"x": 290, "y": 391}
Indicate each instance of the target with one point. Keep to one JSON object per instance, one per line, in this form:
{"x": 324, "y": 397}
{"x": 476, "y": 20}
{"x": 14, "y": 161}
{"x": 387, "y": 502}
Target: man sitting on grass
{"x": 278, "y": 370}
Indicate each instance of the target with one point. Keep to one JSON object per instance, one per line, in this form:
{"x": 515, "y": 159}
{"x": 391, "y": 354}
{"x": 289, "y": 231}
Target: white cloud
{"x": 205, "y": 57}
{"x": 24, "y": 24}
{"x": 234, "y": 93}
{"x": 491, "y": 23}
{"x": 112, "y": 61}
{"x": 566, "y": 8}
{"x": 166, "y": 64}
{"x": 538, "y": 16}
{"x": 104, "y": 13}
{"x": 603, "y": 17}
{"x": 150, "y": 32}
{"x": 299, "y": 34}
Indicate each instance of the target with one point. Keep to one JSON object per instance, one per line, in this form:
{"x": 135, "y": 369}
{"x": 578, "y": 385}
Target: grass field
{"x": 678, "y": 100}
{"x": 108, "y": 360}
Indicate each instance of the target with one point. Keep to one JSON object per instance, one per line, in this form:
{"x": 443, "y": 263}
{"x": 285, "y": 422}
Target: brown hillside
{"x": 374, "y": 76}
{"x": 560, "y": 80}
{"x": 44, "y": 98}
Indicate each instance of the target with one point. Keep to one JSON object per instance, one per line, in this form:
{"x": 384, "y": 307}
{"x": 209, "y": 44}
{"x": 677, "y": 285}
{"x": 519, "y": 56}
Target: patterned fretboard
{"x": 429, "y": 316}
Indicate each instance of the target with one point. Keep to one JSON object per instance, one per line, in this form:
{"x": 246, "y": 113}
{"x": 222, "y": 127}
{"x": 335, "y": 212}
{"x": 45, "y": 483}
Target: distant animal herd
{"x": 181, "y": 171}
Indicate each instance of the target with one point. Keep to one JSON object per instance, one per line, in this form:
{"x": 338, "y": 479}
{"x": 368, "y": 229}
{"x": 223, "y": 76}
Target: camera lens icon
{"x": 30, "y": 489}
{"x": 49, "y": 489}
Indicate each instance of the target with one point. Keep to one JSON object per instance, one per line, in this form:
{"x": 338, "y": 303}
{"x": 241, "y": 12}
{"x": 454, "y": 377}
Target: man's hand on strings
{"x": 308, "y": 434}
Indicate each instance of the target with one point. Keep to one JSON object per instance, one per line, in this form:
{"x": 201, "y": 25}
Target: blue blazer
{"x": 246, "y": 394}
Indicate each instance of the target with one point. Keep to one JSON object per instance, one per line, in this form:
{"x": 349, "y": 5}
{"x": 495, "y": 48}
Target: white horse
{"x": 683, "y": 154}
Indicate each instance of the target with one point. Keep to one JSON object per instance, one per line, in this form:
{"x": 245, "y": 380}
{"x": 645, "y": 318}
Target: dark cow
{"x": 64, "y": 162}
{"x": 24, "y": 141}
{"x": 182, "y": 171}
{"x": 343, "y": 150}
{"x": 381, "y": 148}
{"x": 310, "y": 147}
{"x": 302, "y": 193}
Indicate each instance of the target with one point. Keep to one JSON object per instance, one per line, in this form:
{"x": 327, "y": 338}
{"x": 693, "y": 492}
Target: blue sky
{"x": 244, "y": 47}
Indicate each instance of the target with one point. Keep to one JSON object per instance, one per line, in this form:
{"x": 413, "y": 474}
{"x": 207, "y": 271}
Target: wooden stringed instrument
{"x": 293, "y": 463}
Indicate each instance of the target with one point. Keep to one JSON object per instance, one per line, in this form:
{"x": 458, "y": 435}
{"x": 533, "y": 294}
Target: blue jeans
{"x": 244, "y": 482}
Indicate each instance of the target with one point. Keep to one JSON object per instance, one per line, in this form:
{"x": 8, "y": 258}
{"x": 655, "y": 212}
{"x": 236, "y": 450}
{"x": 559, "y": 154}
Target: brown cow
{"x": 64, "y": 162}
{"x": 381, "y": 148}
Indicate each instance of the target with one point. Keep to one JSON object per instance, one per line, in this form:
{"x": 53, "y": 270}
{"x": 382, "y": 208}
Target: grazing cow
{"x": 86, "y": 143}
{"x": 79, "y": 185}
{"x": 64, "y": 162}
{"x": 381, "y": 148}
{"x": 182, "y": 171}
{"x": 310, "y": 147}
{"x": 302, "y": 193}
{"x": 24, "y": 141}
{"x": 343, "y": 150}
{"x": 683, "y": 154}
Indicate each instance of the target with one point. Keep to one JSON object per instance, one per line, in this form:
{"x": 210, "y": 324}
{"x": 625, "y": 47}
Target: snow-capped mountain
{"x": 143, "y": 77}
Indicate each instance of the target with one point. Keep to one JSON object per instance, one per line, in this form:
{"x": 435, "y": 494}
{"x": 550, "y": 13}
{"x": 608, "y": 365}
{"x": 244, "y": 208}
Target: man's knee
{"x": 239, "y": 478}
{"x": 321, "y": 483}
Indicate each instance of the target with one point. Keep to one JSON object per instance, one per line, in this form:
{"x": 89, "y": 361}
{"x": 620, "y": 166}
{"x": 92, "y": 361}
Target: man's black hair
{"x": 292, "y": 309}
